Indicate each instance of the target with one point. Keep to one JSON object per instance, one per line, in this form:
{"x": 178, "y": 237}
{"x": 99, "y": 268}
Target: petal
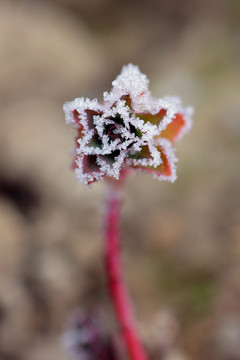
{"x": 143, "y": 154}
{"x": 95, "y": 141}
{"x": 167, "y": 169}
{"x": 175, "y": 129}
{"x": 128, "y": 100}
{"x": 110, "y": 158}
{"x": 74, "y": 162}
{"x": 130, "y": 81}
{"x": 89, "y": 117}
{"x": 76, "y": 145}
{"x": 112, "y": 164}
{"x": 153, "y": 119}
{"x": 89, "y": 164}
{"x": 149, "y": 156}
{"x": 88, "y": 170}
{"x": 76, "y": 117}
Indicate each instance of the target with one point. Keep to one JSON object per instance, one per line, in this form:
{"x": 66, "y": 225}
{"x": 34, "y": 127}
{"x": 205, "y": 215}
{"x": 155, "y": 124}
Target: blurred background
{"x": 181, "y": 241}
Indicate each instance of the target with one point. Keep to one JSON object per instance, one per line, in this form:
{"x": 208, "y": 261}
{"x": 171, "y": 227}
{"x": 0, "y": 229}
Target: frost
{"x": 129, "y": 129}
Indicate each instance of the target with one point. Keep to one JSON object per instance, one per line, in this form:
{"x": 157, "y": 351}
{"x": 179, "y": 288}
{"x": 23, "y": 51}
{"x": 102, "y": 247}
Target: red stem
{"x": 116, "y": 284}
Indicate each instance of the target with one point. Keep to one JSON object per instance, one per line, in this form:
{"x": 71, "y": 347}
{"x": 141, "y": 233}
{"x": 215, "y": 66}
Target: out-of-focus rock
{"x": 60, "y": 281}
{"x": 45, "y": 156}
{"x": 44, "y": 51}
{"x": 48, "y": 347}
{"x": 13, "y": 235}
{"x": 227, "y": 336}
{"x": 161, "y": 332}
{"x": 45, "y": 56}
{"x": 166, "y": 229}
{"x": 176, "y": 354}
{"x": 17, "y": 326}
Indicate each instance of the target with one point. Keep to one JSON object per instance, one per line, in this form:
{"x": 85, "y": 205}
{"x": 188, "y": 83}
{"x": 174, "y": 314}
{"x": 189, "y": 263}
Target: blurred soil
{"x": 181, "y": 241}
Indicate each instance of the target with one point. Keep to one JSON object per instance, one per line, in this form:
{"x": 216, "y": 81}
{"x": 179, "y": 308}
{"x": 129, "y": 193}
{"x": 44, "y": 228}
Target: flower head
{"x": 130, "y": 129}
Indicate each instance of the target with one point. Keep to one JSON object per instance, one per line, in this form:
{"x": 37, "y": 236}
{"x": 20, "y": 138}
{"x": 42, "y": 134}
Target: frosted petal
{"x": 129, "y": 129}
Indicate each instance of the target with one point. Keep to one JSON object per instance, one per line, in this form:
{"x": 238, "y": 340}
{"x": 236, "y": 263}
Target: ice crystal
{"x": 130, "y": 129}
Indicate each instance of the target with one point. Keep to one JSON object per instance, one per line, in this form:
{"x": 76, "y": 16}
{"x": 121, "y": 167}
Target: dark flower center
{"x": 110, "y": 129}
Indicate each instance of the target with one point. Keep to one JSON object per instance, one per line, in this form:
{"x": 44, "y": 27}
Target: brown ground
{"x": 182, "y": 240}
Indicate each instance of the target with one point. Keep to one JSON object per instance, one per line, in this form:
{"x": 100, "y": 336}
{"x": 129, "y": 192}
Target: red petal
{"x": 90, "y": 115}
{"x": 174, "y": 129}
{"x": 90, "y": 164}
{"x": 74, "y": 164}
{"x": 143, "y": 154}
{"x": 165, "y": 169}
{"x": 128, "y": 100}
{"x": 76, "y": 117}
{"x": 79, "y": 136}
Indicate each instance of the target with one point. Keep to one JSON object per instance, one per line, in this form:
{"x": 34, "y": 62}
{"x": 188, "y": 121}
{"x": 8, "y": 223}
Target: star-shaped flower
{"x": 130, "y": 129}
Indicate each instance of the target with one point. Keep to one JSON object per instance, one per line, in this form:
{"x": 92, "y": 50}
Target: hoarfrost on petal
{"x": 129, "y": 129}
